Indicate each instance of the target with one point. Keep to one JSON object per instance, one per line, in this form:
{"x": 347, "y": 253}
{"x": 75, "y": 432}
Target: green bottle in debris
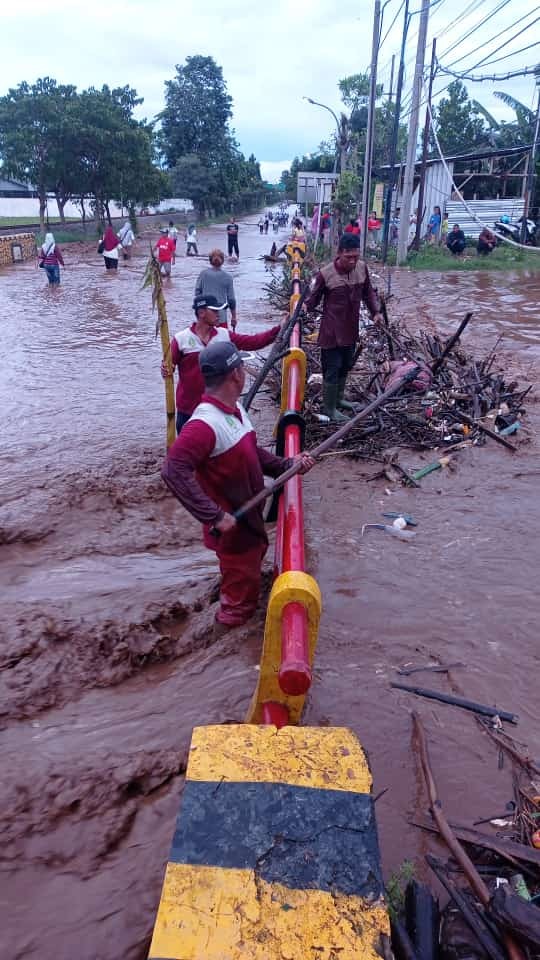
{"x": 517, "y": 882}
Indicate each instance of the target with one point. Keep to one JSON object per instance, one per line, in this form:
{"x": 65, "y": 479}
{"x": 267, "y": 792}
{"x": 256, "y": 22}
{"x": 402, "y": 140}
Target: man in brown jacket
{"x": 344, "y": 284}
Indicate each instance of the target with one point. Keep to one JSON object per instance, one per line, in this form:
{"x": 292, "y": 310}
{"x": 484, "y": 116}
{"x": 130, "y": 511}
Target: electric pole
{"x": 531, "y": 171}
{"x": 425, "y": 145}
{"x": 368, "y": 156}
{"x": 408, "y": 179}
{"x": 395, "y": 136}
{"x": 392, "y": 78}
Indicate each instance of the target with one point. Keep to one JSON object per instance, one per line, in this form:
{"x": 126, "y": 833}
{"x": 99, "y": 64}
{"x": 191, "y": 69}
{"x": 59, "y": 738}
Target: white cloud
{"x": 272, "y": 54}
{"x": 271, "y": 170}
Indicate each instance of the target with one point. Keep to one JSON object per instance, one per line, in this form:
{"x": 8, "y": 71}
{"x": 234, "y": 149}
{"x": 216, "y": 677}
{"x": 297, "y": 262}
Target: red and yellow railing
{"x": 294, "y": 606}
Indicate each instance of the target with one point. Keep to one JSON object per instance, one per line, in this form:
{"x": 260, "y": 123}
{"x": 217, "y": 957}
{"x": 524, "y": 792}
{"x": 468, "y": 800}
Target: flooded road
{"x": 108, "y": 595}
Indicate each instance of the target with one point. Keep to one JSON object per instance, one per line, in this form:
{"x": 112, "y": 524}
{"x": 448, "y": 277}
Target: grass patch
{"x": 503, "y": 258}
{"x": 396, "y": 887}
{"x": 69, "y": 236}
{"x": 24, "y": 221}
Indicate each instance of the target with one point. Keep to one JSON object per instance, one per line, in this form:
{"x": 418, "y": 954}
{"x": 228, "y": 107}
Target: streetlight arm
{"x": 323, "y": 105}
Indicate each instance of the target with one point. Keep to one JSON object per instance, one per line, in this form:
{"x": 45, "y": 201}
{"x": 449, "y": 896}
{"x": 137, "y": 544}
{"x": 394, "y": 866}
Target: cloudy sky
{"x": 272, "y": 52}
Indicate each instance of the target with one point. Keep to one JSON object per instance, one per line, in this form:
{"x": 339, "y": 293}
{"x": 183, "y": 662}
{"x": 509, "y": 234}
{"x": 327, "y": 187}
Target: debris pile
{"x": 492, "y": 875}
{"x": 456, "y": 400}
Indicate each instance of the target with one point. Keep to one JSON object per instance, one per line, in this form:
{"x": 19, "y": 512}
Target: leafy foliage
{"x": 198, "y": 146}
{"x": 459, "y": 128}
{"x": 78, "y": 145}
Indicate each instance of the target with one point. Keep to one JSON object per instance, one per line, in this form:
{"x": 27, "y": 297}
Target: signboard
{"x": 312, "y": 185}
{"x": 378, "y": 197}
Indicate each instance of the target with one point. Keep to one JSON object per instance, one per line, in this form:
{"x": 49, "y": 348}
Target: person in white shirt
{"x": 127, "y": 239}
{"x": 191, "y": 241}
{"x": 173, "y": 232}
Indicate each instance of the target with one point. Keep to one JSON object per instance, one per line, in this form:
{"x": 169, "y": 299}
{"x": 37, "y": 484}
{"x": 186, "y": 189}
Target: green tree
{"x": 198, "y": 146}
{"x": 197, "y": 111}
{"x": 115, "y": 151}
{"x": 33, "y": 131}
{"x": 459, "y": 127}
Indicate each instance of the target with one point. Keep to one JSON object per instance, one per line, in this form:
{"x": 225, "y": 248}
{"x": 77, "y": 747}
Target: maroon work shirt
{"x": 343, "y": 293}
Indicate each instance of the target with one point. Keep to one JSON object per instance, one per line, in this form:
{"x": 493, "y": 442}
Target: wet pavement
{"x": 108, "y": 593}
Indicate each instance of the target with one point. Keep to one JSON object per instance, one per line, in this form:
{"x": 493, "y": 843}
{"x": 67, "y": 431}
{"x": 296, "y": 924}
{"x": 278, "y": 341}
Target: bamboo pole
{"x": 152, "y": 278}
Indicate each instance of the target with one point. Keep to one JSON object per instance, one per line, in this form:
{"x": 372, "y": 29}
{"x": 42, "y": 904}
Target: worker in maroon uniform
{"x": 187, "y": 345}
{"x": 213, "y": 467}
{"x": 344, "y": 284}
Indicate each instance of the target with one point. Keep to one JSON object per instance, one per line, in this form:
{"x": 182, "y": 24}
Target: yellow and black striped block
{"x": 275, "y": 853}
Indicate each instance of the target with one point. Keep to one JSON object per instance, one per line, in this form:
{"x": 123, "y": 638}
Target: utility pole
{"x": 395, "y": 136}
{"x": 425, "y": 145}
{"x": 392, "y": 78}
{"x": 368, "y": 156}
{"x": 531, "y": 171}
{"x": 408, "y": 179}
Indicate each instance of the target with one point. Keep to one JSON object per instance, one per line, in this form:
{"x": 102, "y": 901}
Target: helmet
{"x": 505, "y": 218}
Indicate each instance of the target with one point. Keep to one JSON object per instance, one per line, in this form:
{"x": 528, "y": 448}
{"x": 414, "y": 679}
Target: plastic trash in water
{"x": 398, "y": 531}
{"x": 409, "y": 521}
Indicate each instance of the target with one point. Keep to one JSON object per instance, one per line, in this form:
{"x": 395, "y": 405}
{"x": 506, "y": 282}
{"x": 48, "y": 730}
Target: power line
{"x": 497, "y": 9}
{"x": 402, "y": 4}
{"x": 494, "y": 78}
{"x": 486, "y": 59}
{"x": 514, "y": 52}
{"x": 496, "y": 37}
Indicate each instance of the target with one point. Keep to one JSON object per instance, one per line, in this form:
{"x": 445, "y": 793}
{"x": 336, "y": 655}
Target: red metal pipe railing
{"x": 294, "y": 673}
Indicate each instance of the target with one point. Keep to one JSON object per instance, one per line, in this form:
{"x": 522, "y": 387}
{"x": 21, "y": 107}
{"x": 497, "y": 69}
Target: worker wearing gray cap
{"x": 213, "y": 467}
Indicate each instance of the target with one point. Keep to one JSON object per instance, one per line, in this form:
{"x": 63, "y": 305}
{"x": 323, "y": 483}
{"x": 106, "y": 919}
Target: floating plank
{"x": 275, "y": 852}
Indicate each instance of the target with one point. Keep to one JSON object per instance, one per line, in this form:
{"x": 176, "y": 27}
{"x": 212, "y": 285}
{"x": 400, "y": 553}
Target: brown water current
{"x": 106, "y": 658}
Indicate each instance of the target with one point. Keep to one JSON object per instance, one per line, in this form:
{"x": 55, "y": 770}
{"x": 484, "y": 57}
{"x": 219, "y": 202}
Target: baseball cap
{"x": 218, "y": 359}
{"x": 209, "y": 301}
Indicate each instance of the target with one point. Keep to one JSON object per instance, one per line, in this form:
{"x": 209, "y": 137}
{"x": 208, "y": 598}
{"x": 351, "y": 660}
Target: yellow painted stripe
{"x": 324, "y": 758}
{"x": 208, "y": 913}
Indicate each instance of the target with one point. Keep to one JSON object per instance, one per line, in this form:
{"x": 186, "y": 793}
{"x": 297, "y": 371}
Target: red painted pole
{"x": 275, "y": 714}
{"x": 294, "y": 673}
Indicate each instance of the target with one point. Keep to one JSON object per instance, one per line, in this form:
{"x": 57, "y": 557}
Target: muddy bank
{"x": 108, "y": 660}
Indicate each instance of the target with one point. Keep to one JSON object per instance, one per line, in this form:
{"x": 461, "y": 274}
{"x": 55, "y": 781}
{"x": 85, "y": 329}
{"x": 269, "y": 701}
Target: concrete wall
{"x": 17, "y": 246}
{"x": 29, "y": 207}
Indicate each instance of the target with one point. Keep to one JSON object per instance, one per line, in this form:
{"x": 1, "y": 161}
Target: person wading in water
{"x": 216, "y": 282}
{"x": 50, "y": 258}
{"x": 344, "y": 284}
{"x": 213, "y": 467}
{"x": 187, "y": 345}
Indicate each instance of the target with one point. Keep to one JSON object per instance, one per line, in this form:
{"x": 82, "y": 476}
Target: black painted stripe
{"x": 301, "y": 837}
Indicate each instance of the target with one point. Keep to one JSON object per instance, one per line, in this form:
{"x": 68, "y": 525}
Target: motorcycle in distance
{"x": 512, "y": 230}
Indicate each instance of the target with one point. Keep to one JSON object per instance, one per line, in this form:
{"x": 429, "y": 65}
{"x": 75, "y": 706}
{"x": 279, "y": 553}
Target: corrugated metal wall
{"x": 488, "y": 211}
{"x": 438, "y": 188}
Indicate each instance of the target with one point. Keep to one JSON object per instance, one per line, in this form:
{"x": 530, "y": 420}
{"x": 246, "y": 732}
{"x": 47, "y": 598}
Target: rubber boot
{"x": 330, "y": 397}
{"x": 341, "y": 402}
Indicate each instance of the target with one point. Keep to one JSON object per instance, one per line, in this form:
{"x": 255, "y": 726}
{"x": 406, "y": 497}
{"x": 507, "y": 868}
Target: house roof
{"x": 480, "y": 155}
{"x": 14, "y": 186}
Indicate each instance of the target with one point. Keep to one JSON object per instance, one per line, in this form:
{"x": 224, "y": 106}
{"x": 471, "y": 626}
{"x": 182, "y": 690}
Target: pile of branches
{"x": 464, "y": 390}
{"x": 492, "y": 875}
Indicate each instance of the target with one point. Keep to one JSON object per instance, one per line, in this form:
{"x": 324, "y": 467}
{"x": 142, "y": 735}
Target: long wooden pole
{"x": 152, "y": 278}
{"x": 449, "y": 837}
{"x": 325, "y": 445}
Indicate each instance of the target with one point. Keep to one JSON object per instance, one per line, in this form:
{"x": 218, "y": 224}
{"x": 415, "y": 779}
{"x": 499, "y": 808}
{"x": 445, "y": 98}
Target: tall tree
{"x": 459, "y": 127}
{"x": 197, "y": 110}
{"x": 32, "y": 132}
{"x": 198, "y": 146}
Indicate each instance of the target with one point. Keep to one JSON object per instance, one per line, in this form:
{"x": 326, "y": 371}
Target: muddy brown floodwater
{"x": 107, "y": 596}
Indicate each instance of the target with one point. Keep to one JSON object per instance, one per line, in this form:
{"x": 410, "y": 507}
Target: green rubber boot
{"x": 341, "y": 402}
{"x": 330, "y": 399}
